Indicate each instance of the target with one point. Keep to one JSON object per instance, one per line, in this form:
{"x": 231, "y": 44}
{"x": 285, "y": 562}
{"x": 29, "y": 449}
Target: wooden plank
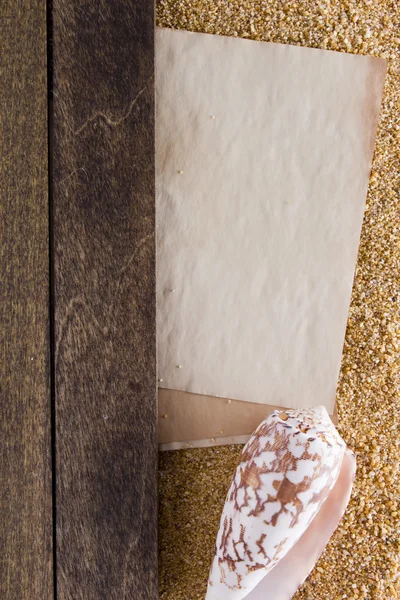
{"x": 25, "y": 424}
{"x": 105, "y": 353}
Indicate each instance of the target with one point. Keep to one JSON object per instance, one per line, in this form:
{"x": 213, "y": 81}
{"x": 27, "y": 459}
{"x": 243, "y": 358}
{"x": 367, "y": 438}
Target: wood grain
{"x": 104, "y": 293}
{"x": 25, "y": 424}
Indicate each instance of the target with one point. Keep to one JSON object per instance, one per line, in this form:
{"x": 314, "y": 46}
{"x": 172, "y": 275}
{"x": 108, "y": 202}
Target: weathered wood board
{"x": 25, "y": 425}
{"x": 104, "y": 295}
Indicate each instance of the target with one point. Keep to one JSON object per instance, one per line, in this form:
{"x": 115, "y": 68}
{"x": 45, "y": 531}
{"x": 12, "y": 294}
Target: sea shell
{"x": 286, "y": 498}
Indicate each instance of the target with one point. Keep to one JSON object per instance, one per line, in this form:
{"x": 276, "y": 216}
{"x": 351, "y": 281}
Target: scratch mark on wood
{"x": 73, "y": 173}
{"x": 125, "y": 268}
{"x": 108, "y": 119}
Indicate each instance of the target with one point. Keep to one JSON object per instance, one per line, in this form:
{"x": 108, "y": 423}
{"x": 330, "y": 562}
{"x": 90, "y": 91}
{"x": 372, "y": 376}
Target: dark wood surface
{"x": 104, "y": 295}
{"x": 25, "y": 420}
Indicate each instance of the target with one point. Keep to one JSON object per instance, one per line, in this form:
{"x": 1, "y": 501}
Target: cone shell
{"x": 287, "y": 470}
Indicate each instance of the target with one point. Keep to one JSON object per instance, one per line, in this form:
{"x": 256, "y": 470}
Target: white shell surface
{"x": 285, "y": 578}
{"x": 288, "y": 469}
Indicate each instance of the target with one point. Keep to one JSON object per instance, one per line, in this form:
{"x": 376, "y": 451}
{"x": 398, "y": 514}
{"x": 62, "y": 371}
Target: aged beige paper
{"x": 263, "y": 153}
{"x": 187, "y": 420}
